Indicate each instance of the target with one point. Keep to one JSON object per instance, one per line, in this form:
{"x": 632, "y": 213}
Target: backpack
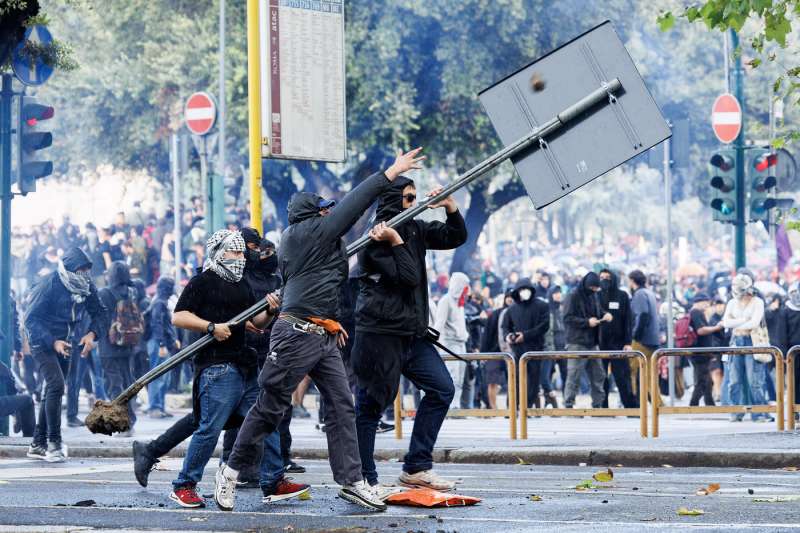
{"x": 685, "y": 335}
{"x": 127, "y": 326}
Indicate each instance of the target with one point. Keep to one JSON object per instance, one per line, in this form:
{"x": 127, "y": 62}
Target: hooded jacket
{"x": 616, "y": 334}
{"x": 556, "y": 337}
{"x": 393, "y": 285}
{"x": 530, "y": 317}
{"x": 162, "y": 330}
{"x": 120, "y": 287}
{"x": 450, "y": 320}
{"x": 262, "y": 281}
{"x": 51, "y": 312}
{"x": 583, "y": 304}
{"x": 313, "y": 258}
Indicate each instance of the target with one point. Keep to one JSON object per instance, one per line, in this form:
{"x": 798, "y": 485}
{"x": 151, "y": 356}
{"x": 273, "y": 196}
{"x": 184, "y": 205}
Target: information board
{"x": 303, "y": 112}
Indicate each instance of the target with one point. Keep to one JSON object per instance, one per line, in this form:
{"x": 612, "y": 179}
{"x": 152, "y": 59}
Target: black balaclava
{"x": 251, "y": 236}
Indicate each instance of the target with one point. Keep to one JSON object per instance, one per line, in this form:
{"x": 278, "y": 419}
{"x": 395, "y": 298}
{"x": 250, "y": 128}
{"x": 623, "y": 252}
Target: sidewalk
{"x": 689, "y": 441}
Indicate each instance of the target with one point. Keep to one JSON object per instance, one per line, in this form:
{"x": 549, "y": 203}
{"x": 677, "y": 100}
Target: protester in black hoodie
{"x": 524, "y": 326}
{"x": 306, "y": 338}
{"x": 495, "y": 371}
{"x": 583, "y": 317}
{"x": 391, "y": 321}
{"x": 616, "y": 335}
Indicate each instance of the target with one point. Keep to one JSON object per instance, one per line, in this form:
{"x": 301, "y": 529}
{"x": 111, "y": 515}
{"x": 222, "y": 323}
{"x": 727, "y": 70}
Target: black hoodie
{"x": 313, "y": 258}
{"x": 583, "y": 304}
{"x": 120, "y": 287}
{"x": 530, "y": 317}
{"x": 616, "y": 334}
{"x": 393, "y": 288}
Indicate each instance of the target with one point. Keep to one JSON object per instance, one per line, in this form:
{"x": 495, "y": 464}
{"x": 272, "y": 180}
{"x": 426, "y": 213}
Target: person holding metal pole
{"x": 391, "y": 328}
{"x": 306, "y": 339}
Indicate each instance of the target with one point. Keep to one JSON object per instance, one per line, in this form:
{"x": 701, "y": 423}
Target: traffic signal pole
{"x": 741, "y": 193}
{"x": 6, "y": 326}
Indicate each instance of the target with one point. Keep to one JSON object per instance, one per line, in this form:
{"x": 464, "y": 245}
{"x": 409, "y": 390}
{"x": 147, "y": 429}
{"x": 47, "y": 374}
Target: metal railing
{"x": 510, "y": 411}
{"x": 792, "y": 408}
{"x": 640, "y": 411}
{"x": 655, "y": 402}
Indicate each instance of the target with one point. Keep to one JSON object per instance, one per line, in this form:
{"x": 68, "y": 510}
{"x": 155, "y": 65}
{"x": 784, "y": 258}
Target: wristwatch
{"x": 210, "y": 328}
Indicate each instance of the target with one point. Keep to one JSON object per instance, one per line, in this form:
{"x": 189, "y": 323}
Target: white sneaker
{"x": 56, "y": 453}
{"x": 225, "y": 487}
{"x": 362, "y": 494}
{"x": 385, "y": 491}
{"x": 426, "y": 479}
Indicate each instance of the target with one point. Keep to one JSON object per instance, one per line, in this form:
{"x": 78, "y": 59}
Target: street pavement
{"x": 41, "y": 497}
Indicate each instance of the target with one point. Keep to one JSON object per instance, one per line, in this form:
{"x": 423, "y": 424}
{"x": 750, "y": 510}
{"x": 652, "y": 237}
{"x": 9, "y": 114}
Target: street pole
{"x": 254, "y": 112}
{"x": 670, "y": 280}
{"x": 6, "y": 324}
{"x": 176, "y": 204}
{"x": 202, "y": 147}
{"x": 221, "y": 116}
{"x": 741, "y": 197}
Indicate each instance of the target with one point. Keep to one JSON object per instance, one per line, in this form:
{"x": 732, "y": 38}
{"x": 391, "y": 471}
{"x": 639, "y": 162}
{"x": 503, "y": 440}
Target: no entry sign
{"x": 726, "y": 118}
{"x": 200, "y": 113}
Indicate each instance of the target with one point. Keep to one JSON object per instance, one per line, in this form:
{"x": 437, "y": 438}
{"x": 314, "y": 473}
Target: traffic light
{"x": 723, "y": 181}
{"x": 761, "y": 176}
{"x": 30, "y": 139}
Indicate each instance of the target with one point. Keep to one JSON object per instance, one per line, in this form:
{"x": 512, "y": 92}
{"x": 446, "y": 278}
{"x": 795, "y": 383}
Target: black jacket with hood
{"x": 263, "y": 280}
{"x": 583, "y": 304}
{"x": 530, "y": 317}
{"x": 393, "y": 288}
{"x": 161, "y": 328}
{"x": 120, "y": 287}
{"x": 616, "y": 334}
{"x": 313, "y": 257}
{"x": 53, "y": 315}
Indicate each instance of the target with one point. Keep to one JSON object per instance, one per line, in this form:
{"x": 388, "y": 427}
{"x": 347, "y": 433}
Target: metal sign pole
{"x": 176, "y": 205}
{"x": 670, "y": 280}
{"x": 6, "y": 325}
{"x": 254, "y": 112}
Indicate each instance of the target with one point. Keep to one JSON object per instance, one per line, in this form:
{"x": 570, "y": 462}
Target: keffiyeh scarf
{"x": 78, "y": 284}
{"x": 222, "y": 241}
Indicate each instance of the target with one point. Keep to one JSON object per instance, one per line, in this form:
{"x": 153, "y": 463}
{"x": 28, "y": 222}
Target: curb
{"x": 765, "y": 459}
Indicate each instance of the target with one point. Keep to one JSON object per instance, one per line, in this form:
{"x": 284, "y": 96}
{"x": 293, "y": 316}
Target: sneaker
{"x": 383, "y": 427}
{"x": 385, "y": 491}
{"x": 56, "y": 453}
{"x": 321, "y": 427}
{"x": 36, "y": 452}
{"x": 284, "y": 490}
{"x": 294, "y": 468}
{"x": 426, "y": 479}
{"x": 362, "y": 494}
{"x": 225, "y": 487}
{"x": 143, "y": 462}
{"x": 187, "y": 497}
{"x": 298, "y": 411}
{"x": 156, "y": 413}
{"x": 75, "y": 422}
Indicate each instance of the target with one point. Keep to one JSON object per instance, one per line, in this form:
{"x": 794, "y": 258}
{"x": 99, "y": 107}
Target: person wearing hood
{"x": 391, "y": 320}
{"x": 524, "y": 327}
{"x": 644, "y": 309}
{"x": 57, "y": 305}
{"x": 556, "y": 339}
{"x": 791, "y": 332}
{"x": 451, "y": 323}
{"x": 124, "y": 330}
{"x": 493, "y": 341}
{"x": 307, "y": 338}
{"x": 162, "y": 343}
{"x": 616, "y": 335}
{"x": 583, "y": 317}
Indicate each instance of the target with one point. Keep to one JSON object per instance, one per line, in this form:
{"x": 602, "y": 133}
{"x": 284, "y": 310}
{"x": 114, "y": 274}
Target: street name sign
{"x": 726, "y": 118}
{"x": 200, "y": 113}
{"x": 303, "y": 79}
{"x": 591, "y": 141}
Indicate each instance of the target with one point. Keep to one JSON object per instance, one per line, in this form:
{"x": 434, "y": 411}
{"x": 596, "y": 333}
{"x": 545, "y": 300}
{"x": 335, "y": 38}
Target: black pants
{"x": 286, "y": 437}
{"x": 532, "y": 369}
{"x": 48, "y": 427}
{"x": 702, "y": 383}
{"x": 621, "y": 371}
{"x": 20, "y": 406}
{"x": 117, "y": 373}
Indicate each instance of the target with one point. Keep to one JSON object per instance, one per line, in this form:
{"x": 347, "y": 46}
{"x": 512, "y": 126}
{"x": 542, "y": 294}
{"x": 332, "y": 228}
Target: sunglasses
{"x": 409, "y": 197}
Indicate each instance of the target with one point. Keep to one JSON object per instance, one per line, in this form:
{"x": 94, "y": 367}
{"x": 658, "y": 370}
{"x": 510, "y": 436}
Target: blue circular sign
{"x": 27, "y": 71}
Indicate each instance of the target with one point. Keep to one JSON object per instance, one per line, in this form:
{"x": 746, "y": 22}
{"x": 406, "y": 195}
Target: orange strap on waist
{"x": 331, "y": 326}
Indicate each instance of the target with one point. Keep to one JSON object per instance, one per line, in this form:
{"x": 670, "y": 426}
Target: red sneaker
{"x": 284, "y": 490}
{"x": 187, "y": 497}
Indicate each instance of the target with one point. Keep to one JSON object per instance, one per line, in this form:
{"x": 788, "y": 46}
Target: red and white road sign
{"x": 726, "y": 118}
{"x": 200, "y": 113}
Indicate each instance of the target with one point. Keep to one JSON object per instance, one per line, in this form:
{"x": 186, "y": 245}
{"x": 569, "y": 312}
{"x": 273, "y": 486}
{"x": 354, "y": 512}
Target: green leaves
{"x": 666, "y": 20}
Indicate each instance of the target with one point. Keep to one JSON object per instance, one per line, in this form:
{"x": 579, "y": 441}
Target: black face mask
{"x": 605, "y": 284}
{"x": 251, "y": 258}
{"x": 268, "y": 264}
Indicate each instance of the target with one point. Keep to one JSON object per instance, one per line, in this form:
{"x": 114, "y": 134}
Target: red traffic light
{"x": 33, "y": 113}
{"x": 765, "y": 161}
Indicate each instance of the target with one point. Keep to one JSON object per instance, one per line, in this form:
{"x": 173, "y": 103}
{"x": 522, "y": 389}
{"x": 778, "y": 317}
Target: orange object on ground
{"x": 430, "y": 498}
{"x": 330, "y": 325}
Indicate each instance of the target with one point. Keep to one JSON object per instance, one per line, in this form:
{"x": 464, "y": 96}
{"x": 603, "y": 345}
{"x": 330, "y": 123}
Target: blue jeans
{"x": 157, "y": 389}
{"x": 746, "y": 380}
{"x": 223, "y": 391}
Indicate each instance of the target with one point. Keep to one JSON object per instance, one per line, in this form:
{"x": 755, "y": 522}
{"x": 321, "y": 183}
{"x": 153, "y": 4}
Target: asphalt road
{"x": 36, "y": 495}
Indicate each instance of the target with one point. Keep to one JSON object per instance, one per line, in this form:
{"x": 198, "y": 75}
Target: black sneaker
{"x": 248, "y": 484}
{"x": 294, "y": 468}
{"x": 36, "y": 452}
{"x": 143, "y": 462}
{"x": 383, "y": 427}
{"x": 75, "y": 422}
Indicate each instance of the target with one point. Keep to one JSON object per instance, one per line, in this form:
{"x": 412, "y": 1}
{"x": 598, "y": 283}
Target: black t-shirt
{"x": 698, "y": 320}
{"x": 212, "y": 298}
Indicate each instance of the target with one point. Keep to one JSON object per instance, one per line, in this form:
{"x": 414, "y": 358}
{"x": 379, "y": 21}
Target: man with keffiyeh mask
{"x": 225, "y": 371}
{"x": 57, "y": 305}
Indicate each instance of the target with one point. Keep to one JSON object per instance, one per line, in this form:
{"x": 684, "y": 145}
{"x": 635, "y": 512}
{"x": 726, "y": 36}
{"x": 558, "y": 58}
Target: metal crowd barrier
{"x": 792, "y": 408}
{"x": 510, "y": 411}
{"x": 732, "y": 409}
{"x": 640, "y": 411}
